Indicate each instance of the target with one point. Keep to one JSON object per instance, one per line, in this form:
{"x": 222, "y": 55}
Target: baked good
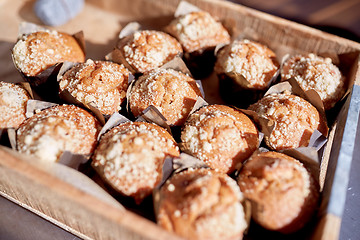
{"x": 245, "y": 70}
{"x": 13, "y": 100}
{"x": 317, "y": 73}
{"x": 294, "y": 119}
{"x": 172, "y": 92}
{"x": 130, "y": 157}
{"x": 198, "y": 33}
{"x": 148, "y": 49}
{"x": 99, "y": 82}
{"x": 37, "y": 51}
{"x": 220, "y": 136}
{"x": 254, "y": 61}
{"x": 283, "y": 194}
{"x": 202, "y": 204}
{"x": 52, "y": 131}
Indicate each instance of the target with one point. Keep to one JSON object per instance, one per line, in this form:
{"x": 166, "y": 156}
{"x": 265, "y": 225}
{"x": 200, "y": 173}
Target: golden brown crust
{"x": 254, "y": 61}
{"x": 100, "y": 82}
{"x": 198, "y": 31}
{"x": 318, "y": 73}
{"x": 38, "y": 51}
{"x": 149, "y": 49}
{"x": 202, "y": 204}
{"x": 54, "y": 130}
{"x": 295, "y": 120}
{"x": 130, "y": 157}
{"x": 220, "y": 136}
{"x": 283, "y": 194}
{"x": 13, "y": 100}
{"x": 171, "y": 92}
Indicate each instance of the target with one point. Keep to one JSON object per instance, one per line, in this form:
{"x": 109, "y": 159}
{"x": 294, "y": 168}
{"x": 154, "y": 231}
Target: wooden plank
{"x": 68, "y": 207}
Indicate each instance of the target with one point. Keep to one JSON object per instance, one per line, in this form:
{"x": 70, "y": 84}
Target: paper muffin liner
{"x": 67, "y": 158}
{"x": 45, "y": 84}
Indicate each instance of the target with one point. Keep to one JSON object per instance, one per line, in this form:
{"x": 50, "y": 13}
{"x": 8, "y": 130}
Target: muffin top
{"x": 254, "y": 61}
{"x": 13, "y": 100}
{"x": 99, "y": 82}
{"x": 172, "y": 92}
{"x": 202, "y": 204}
{"x": 317, "y": 73}
{"x": 38, "y": 51}
{"x": 54, "y": 130}
{"x": 294, "y": 119}
{"x": 149, "y": 49}
{"x": 282, "y": 192}
{"x": 220, "y": 136}
{"x": 130, "y": 157}
{"x": 197, "y": 31}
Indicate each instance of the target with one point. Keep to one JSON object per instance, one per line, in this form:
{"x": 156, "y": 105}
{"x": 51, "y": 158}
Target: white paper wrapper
{"x": 185, "y": 8}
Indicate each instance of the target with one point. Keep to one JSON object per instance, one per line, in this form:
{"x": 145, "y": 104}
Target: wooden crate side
{"x": 68, "y": 207}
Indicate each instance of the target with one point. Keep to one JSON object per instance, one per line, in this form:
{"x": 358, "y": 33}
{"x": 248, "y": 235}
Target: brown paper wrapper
{"x": 153, "y": 115}
{"x": 45, "y": 84}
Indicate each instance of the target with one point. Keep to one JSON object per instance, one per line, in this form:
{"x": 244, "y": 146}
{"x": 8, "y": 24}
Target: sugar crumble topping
{"x": 318, "y": 73}
{"x": 38, "y": 51}
{"x": 295, "y": 119}
{"x": 150, "y": 49}
{"x": 131, "y": 156}
{"x": 207, "y": 202}
{"x": 54, "y": 130}
{"x": 99, "y": 82}
{"x": 13, "y": 100}
{"x": 218, "y": 137}
{"x": 255, "y": 62}
{"x": 198, "y": 30}
{"x": 171, "y": 92}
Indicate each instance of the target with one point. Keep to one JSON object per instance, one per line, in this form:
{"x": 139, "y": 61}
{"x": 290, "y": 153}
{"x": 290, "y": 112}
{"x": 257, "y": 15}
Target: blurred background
{"x": 340, "y": 17}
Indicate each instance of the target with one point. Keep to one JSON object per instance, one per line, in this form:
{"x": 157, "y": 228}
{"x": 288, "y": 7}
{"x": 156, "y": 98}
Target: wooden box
{"x": 75, "y": 203}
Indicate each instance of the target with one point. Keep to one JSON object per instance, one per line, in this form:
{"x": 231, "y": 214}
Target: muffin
{"x": 13, "y": 100}
{"x": 201, "y": 204}
{"x": 148, "y": 49}
{"x": 172, "y": 92}
{"x": 245, "y": 70}
{"x": 130, "y": 157}
{"x": 99, "y": 82}
{"x": 283, "y": 194}
{"x": 49, "y": 133}
{"x": 198, "y": 33}
{"x": 294, "y": 120}
{"x": 220, "y": 136}
{"x": 317, "y": 73}
{"x": 35, "y": 52}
